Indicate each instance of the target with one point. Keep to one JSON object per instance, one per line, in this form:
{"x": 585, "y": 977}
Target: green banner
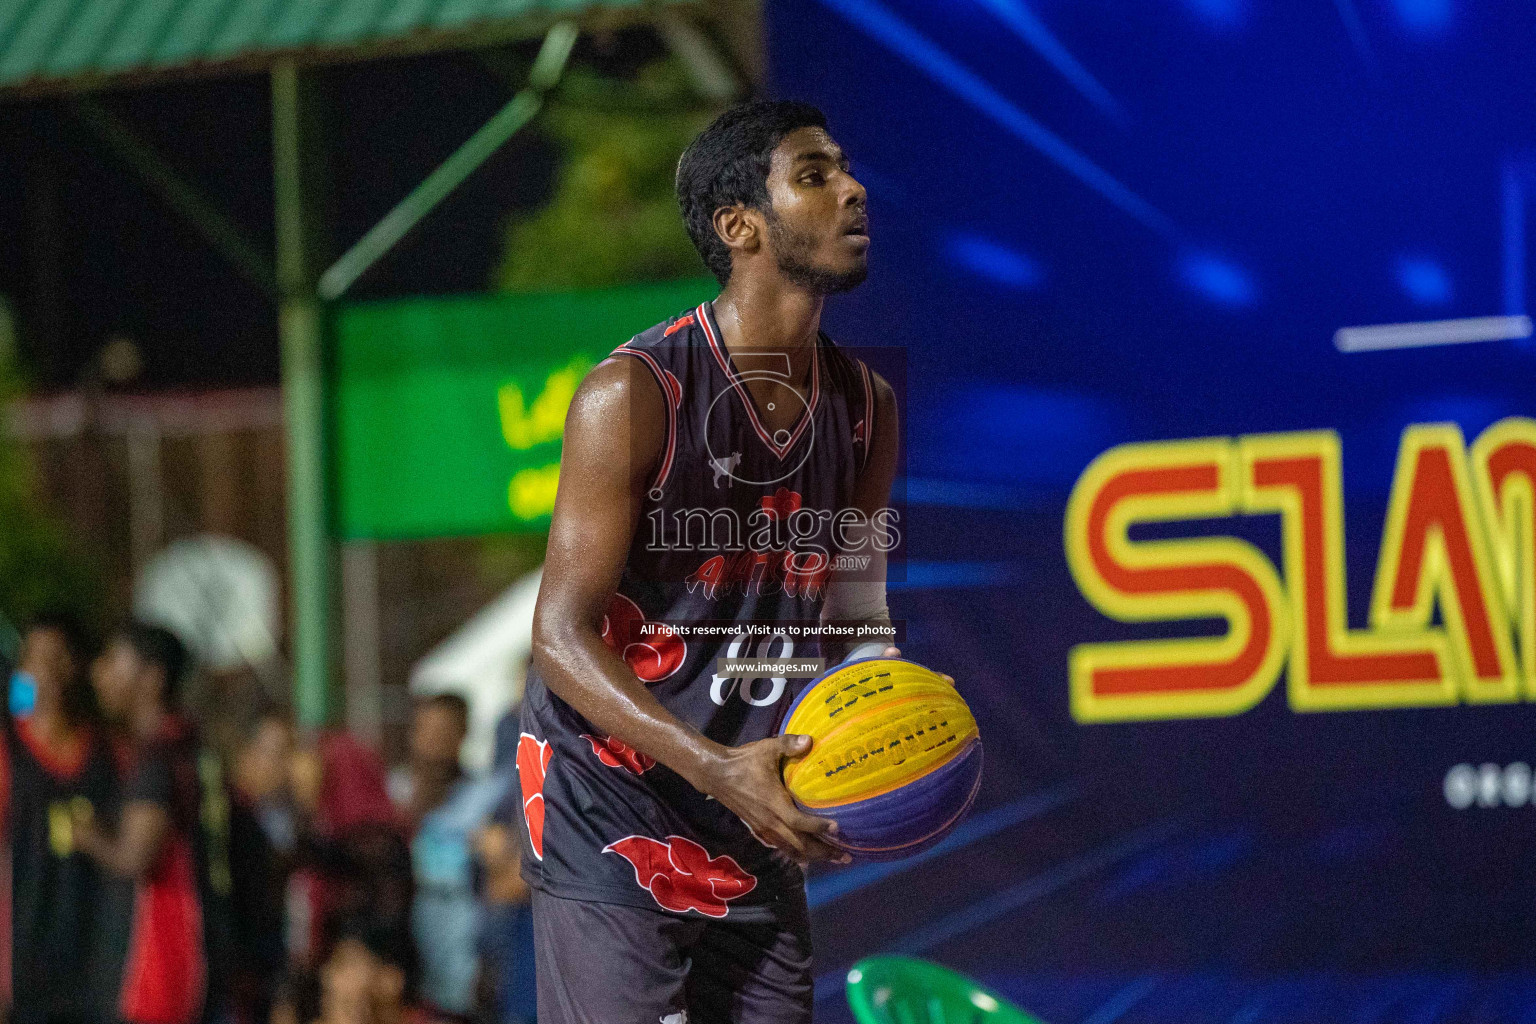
{"x": 447, "y": 413}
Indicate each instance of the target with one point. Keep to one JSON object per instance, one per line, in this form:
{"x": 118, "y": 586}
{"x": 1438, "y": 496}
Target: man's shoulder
{"x": 675, "y": 330}
{"x": 662, "y": 350}
{"x": 848, "y": 372}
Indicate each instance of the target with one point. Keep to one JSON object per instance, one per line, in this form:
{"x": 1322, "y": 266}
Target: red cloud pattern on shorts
{"x": 680, "y": 874}
{"x": 533, "y": 757}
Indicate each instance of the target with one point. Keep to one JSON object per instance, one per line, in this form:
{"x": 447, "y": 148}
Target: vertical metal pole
{"x": 301, "y": 323}
{"x": 146, "y": 491}
{"x": 360, "y": 640}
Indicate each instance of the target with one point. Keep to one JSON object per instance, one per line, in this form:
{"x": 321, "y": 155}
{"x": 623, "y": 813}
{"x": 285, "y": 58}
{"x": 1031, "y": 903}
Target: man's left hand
{"x": 895, "y": 652}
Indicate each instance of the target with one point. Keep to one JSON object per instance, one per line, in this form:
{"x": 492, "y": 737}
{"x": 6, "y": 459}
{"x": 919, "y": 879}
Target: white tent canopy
{"x": 485, "y": 662}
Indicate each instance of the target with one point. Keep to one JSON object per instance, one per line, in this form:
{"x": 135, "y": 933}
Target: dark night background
{"x": 87, "y": 253}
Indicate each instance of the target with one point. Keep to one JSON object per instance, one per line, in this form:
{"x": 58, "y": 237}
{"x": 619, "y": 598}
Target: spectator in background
{"x": 506, "y": 940}
{"x": 262, "y": 847}
{"x": 8, "y": 637}
{"x": 168, "y": 842}
{"x": 10, "y": 640}
{"x": 367, "y": 976}
{"x": 351, "y": 863}
{"x": 56, "y": 766}
{"x": 446, "y": 811}
{"x": 351, "y": 846}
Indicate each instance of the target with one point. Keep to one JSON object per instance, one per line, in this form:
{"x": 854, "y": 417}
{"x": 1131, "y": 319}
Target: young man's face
{"x": 437, "y": 733}
{"x": 46, "y": 657}
{"x": 818, "y": 229}
{"x": 116, "y": 675}
{"x": 262, "y": 767}
{"x": 356, "y": 986}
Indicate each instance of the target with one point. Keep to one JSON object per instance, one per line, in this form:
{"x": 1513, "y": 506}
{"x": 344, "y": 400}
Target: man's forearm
{"x": 132, "y": 850}
{"x": 585, "y": 673}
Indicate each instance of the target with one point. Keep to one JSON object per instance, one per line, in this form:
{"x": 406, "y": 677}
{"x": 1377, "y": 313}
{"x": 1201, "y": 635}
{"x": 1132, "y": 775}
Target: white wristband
{"x": 862, "y": 598}
{"x": 873, "y": 649}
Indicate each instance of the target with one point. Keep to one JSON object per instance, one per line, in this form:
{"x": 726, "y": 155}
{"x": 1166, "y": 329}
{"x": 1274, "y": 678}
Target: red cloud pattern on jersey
{"x": 681, "y": 322}
{"x": 618, "y": 754}
{"x": 782, "y": 503}
{"x": 653, "y": 657}
{"x": 680, "y": 874}
{"x": 533, "y": 756}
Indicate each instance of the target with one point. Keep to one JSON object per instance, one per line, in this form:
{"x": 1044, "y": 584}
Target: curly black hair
{"x": 727, "y": 165}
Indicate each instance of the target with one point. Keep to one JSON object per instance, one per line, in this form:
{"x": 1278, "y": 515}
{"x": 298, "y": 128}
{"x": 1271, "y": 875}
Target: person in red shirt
{"x": 168, "y": 845}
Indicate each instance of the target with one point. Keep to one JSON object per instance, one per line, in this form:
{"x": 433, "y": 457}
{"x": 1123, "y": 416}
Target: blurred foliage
{"x": 612, "y": 218}
{"x": 40, "y": 571}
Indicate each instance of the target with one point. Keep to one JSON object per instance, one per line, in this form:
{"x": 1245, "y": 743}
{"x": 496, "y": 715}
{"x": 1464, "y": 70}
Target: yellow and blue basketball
{"x": 895, "y": 757}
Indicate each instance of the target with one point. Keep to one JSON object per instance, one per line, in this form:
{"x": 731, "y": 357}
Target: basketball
{"x": 895, "y": 756}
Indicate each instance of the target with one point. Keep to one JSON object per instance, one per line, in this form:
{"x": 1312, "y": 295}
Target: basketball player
{"x": 703, "y": 463}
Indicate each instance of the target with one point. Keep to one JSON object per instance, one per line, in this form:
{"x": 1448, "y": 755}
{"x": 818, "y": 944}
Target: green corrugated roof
{"x": 48, "y": 45}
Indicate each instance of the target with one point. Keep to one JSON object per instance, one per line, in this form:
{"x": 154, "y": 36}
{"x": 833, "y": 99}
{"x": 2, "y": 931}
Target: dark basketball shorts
{"x": 602, "y": 963}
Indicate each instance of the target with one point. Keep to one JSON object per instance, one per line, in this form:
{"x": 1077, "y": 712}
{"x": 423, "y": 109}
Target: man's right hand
{"x": 747, "y": 780}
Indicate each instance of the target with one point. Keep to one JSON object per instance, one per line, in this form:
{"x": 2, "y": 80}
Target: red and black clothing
{"x": 169, "y": 929}
{"x": 736, "y": 527}
{"x": 56, "y": 890}
{"x": 652, "y": 901}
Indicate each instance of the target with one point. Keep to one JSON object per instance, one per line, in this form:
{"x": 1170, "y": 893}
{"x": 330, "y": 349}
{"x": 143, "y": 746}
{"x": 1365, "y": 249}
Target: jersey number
{"x": 743, "y": 646}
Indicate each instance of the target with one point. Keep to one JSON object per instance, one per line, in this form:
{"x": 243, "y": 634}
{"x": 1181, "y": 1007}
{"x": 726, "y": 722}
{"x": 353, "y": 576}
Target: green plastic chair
{"x": 904, "y": 990}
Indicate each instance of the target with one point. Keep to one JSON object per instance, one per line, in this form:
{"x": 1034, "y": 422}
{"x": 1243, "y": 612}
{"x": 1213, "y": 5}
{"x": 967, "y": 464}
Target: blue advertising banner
{"x": 1221, "y": 453}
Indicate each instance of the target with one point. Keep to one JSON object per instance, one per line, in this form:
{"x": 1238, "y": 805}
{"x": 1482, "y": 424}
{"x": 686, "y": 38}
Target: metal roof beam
{"x": 707, "y": 69}
{"x": 397, "y": 223}
{"x": 226, "y": 237}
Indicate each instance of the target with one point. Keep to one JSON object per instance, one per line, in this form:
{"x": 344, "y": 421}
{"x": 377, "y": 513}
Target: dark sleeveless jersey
{"x": 164, "y": 936}
{"x": 56, "y": 891}
{"x": 736, "y": 533}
